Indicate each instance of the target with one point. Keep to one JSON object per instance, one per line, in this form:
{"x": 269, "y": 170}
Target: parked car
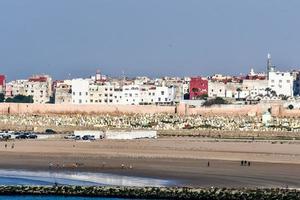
{"x": 88, "y": 137}
{"x": 71, "y": 136}
{"x": 32, "y": 136}
{"x": 77, "y": 137}
{"x": 5, "y": 136}
{"x": 50, "y": 131}
{"x": 22, "y": 136}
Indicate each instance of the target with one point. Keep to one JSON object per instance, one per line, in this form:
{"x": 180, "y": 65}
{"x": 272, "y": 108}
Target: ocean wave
{"x": 76, "y": 178}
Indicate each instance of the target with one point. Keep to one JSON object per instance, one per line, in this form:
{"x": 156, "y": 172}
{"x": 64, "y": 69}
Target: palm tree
{"x": 268, "y": 90}
{"x": 273, "y": 93}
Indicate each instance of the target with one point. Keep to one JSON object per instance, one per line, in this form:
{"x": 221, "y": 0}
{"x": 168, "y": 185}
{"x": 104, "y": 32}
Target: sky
{"x": 73, "y": 38}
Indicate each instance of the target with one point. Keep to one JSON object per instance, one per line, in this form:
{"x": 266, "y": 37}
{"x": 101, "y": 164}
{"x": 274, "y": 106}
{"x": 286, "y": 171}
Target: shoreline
{"x": 179, "y": 160}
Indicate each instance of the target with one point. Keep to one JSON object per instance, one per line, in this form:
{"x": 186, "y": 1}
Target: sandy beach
{"x": 182, "y": 160}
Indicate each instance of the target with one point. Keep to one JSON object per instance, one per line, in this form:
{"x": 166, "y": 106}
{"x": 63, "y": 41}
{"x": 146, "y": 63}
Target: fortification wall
{"x": 15, "y": 108}
{"x": 221, "y": 110}
{"x": 182, "y": 109}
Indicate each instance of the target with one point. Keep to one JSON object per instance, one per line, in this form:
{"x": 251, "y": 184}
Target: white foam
{"x": 85, "y": 178}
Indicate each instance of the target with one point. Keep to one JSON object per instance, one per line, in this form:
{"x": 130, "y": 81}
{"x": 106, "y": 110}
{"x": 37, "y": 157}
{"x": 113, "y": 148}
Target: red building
{"x": 2, "y": 80}
{"x": 198, "y": 87}
{"x": 2, "y": 83}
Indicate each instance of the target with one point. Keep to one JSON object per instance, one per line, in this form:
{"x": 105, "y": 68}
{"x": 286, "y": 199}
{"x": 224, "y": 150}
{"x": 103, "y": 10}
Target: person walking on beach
{"x": 208, "y": 164}
{"x": 13, "y": 146}
{"x": 5, "y": 145}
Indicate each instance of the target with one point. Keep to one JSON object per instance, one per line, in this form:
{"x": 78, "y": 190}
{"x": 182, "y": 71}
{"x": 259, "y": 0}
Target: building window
{"x": 162, "y": 92}
{"x": 79, "y": 93}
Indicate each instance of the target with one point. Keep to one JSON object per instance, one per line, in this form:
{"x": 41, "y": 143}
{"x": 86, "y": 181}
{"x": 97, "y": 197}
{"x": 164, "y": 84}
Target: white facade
{"x": 39, "y": 91}
{"x": 39, "y": 87}
{"x": 281, "y": 83}
{"x": 130, "y": 135}
{"x": 255, "y": 87}
{"x": 104, "y": 93}
{"x": 164, "y": 95}
{"x": 80, "y": 91}
{"x": 131, "y": 95}
{"x": 216, "y": 89}
{"x": 15, "y": 88}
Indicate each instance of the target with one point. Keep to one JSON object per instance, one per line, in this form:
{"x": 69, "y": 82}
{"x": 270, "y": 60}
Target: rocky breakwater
{"x": 153, "y": 192}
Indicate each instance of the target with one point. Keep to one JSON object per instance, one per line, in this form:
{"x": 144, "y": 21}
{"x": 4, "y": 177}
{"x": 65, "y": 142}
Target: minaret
{"x": 269, "y": 65}
{"x": 98, "y": 75}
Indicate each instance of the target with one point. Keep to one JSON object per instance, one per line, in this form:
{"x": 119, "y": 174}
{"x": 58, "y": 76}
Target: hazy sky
{"x": 146, "y": 37}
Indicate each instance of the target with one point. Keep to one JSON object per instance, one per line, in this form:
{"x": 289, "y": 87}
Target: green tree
{"x": 2, "y": 98}
{"x": 203, "y": 96}
{"x": 217, "y": 100}
{"x": 20, "y": 99}
{"x": 51, "y": 100}
{"x": 239, "y": 92}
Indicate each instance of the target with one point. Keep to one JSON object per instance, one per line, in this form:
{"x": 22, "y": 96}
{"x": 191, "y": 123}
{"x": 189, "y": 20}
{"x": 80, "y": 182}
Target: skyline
{"x": 139, "y": 38}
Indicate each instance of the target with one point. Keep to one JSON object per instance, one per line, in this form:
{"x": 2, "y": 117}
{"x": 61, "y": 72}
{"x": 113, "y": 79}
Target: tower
{"x": 98, "y": 75}
{"x": 269, "y": 63}
{"x": 270, "y": 67}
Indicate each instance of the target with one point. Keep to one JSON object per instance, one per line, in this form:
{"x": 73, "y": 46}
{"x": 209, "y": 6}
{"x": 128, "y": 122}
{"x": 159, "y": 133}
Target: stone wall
{"x": 15, "y": 108}
{"x": 181, "y": 109}
{"x": 221, "y": 110}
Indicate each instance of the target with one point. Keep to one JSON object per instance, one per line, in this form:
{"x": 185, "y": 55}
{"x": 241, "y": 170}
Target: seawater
{"x": 29, "y": 197}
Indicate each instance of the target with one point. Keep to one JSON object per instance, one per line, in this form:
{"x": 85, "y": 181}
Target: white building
{"x": 216, "y": 89}
{"x": 131, "y": 95}
{"x": 104, "y": 93}
{"x": 15, "y": 88}
{"x": 255, "y": 87}
{"x": 281, "y": 83}
{"x": 80, "y": 91}
{"x": 164, "y": 95}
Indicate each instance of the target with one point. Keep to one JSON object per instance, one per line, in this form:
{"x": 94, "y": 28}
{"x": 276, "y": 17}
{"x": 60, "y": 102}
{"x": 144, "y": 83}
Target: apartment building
{"x": 39, "y": 87}
{"x": 80, "y": 91}
{"x": 281, "y": 82}
{"x": 63, "y": 92}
